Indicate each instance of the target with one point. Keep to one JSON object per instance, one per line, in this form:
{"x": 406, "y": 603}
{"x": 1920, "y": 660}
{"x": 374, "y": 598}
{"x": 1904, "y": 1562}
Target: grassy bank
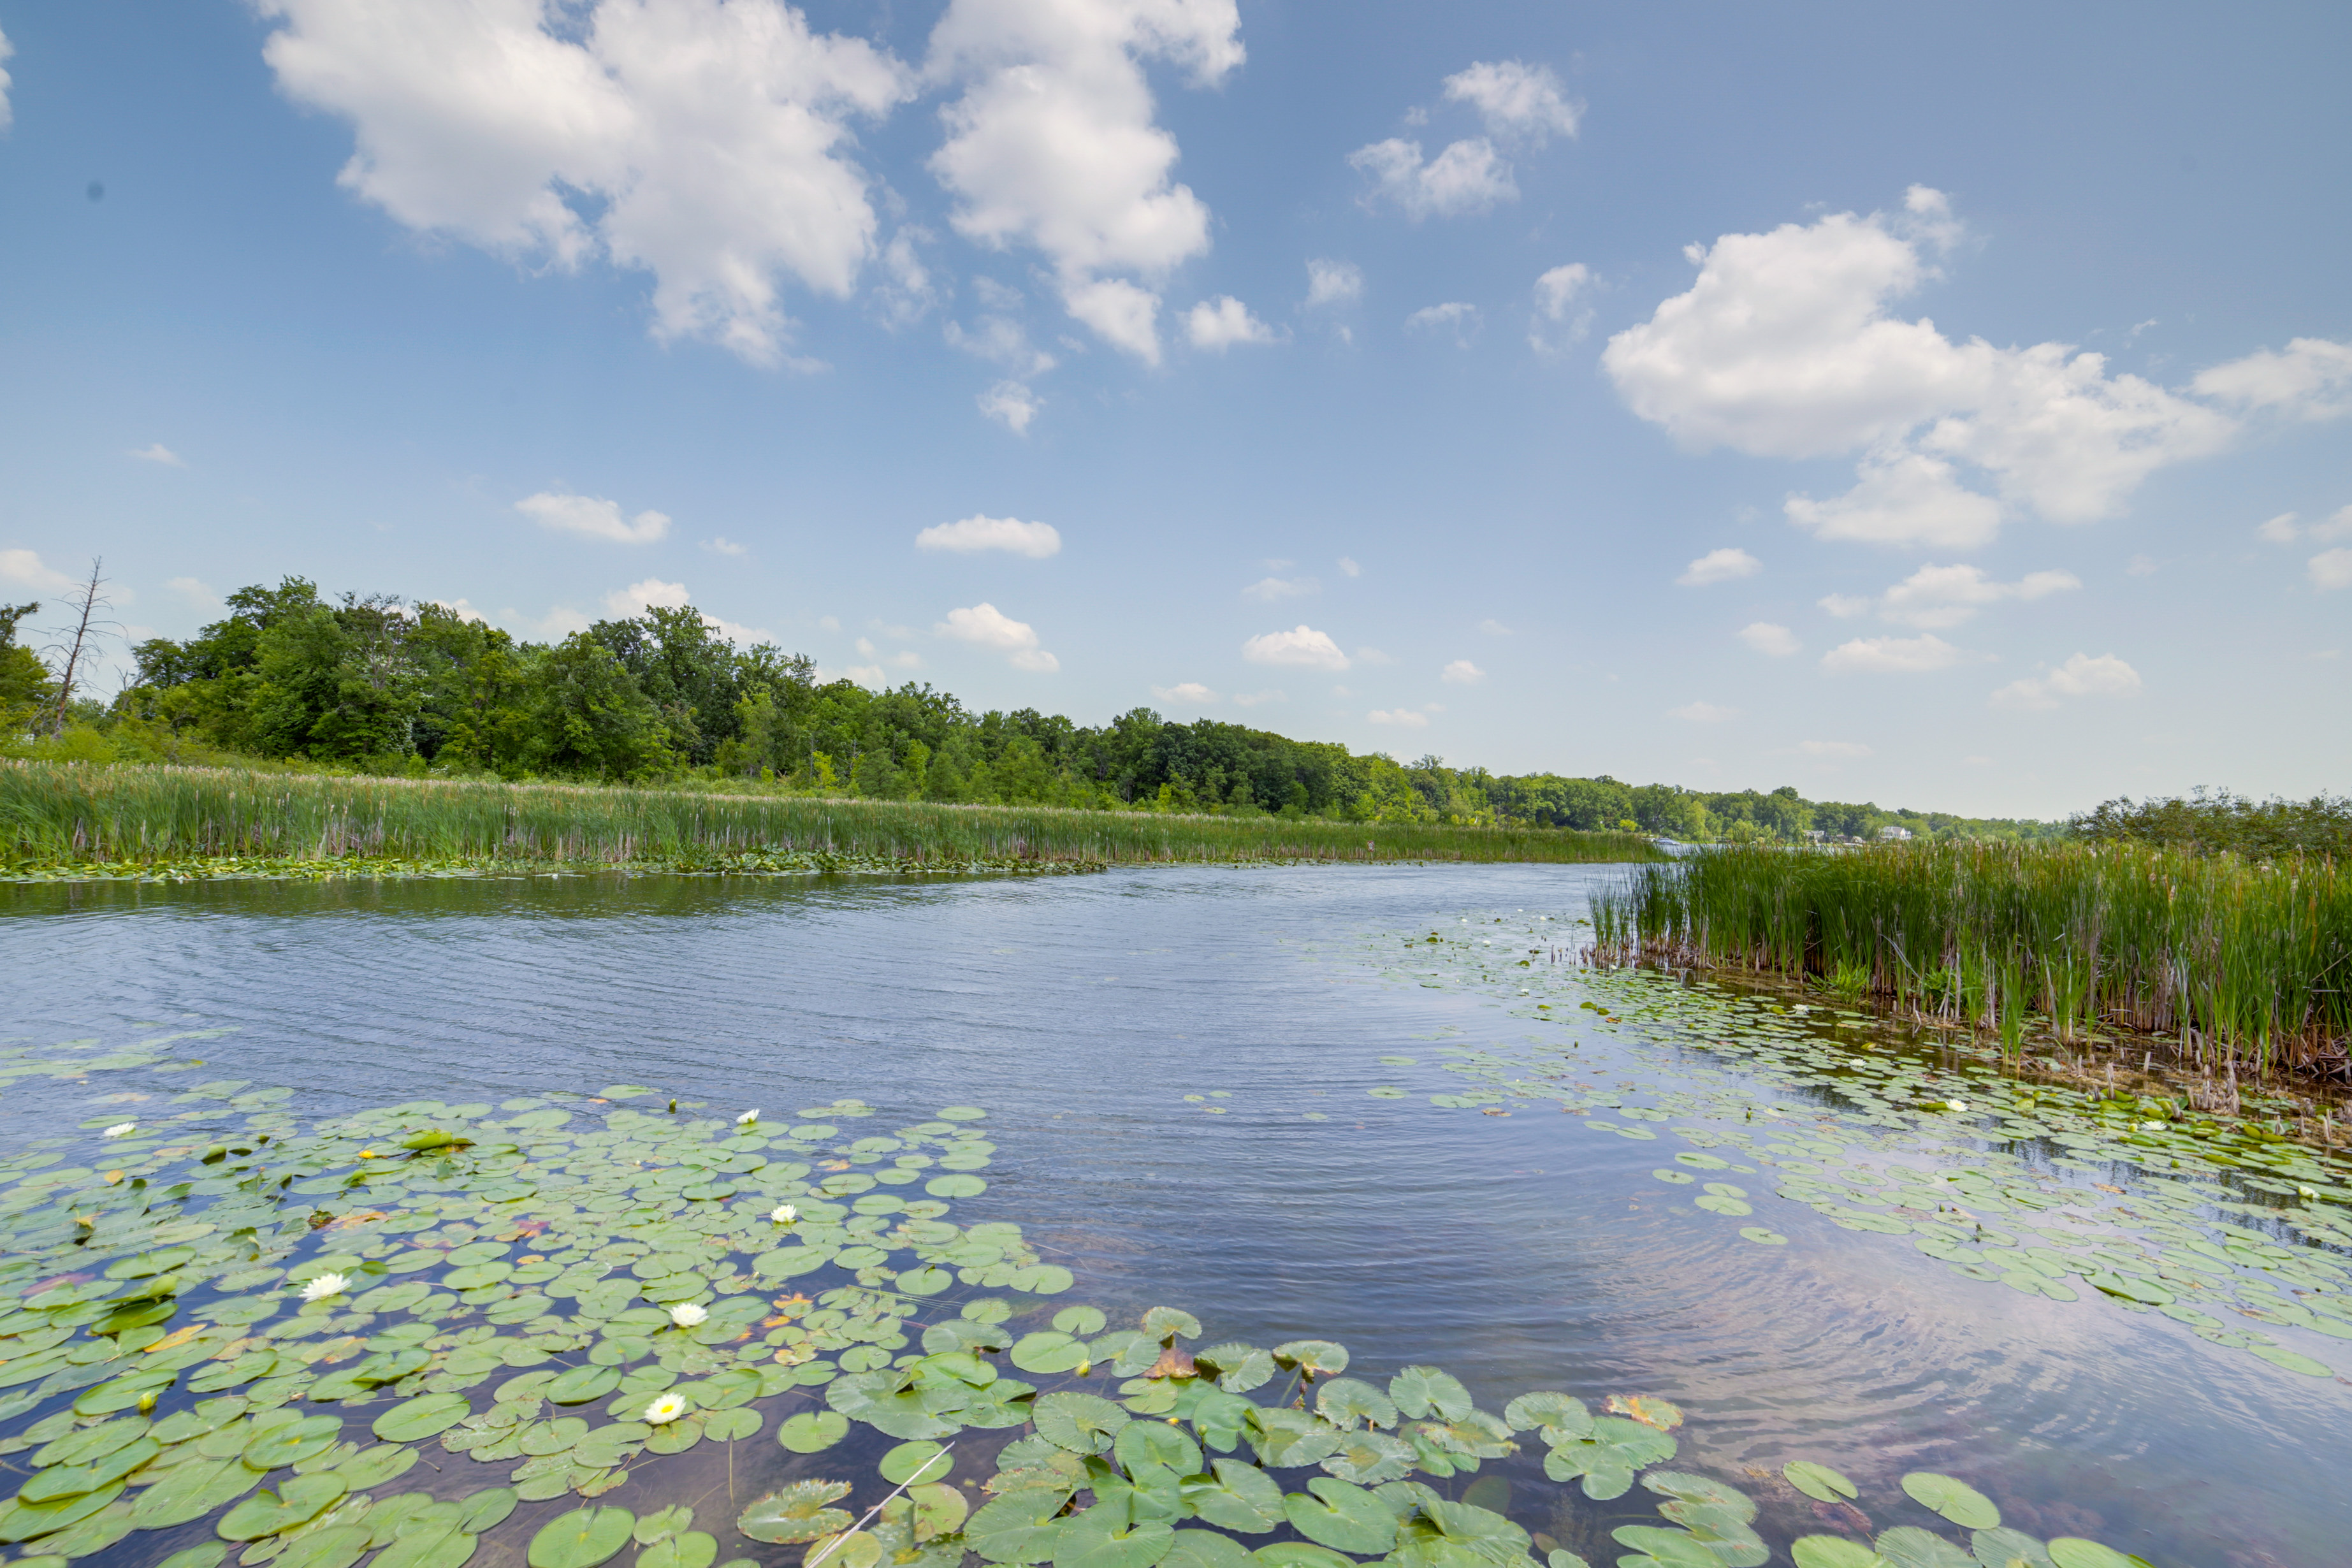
{"x": 58, "y": 814}
{"x": 2242, "y": 964}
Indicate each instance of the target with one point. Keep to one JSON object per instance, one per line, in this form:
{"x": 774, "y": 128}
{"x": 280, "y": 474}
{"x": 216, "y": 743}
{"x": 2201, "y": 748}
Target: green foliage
{"x": 2222, "y": 823}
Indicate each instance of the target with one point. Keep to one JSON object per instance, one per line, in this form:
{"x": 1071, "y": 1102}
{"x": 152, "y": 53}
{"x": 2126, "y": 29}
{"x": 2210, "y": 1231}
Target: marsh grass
{"x": 55, "y": 814}
{"x": 2241, "y": 964}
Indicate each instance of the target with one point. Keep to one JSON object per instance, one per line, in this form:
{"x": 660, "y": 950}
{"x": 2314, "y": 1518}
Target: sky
{"x": 1944, "y": 406}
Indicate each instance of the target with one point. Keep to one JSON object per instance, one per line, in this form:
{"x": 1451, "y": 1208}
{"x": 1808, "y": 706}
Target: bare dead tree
{"x": 80, "y": 644}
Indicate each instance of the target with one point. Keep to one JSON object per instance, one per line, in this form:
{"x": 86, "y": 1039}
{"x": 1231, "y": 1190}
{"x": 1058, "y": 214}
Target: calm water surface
{"x": 1517, "y": 1252}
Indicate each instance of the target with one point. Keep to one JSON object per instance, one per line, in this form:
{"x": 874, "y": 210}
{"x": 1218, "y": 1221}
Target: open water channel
{"x": 1178, "y": 1068}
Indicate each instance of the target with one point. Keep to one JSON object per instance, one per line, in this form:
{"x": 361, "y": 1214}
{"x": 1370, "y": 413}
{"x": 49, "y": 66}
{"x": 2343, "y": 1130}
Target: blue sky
{"x": 1945, "y": 407}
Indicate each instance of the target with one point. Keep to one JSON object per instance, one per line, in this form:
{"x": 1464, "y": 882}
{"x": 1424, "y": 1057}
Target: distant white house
{"x": 1893, "y": 833}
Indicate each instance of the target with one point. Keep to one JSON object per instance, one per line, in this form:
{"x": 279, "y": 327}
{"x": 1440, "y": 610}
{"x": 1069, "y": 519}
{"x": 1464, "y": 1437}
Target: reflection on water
{"x": 1516, "y": 1251}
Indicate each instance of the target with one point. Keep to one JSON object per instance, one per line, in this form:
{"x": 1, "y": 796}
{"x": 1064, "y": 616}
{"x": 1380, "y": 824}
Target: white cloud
{"x": 1460, "y": 318}
{"x": 1847, "y": 606}
{"x": 2140, "y": 566}
{"x": 1251, "y": 699}
{"x": 1468, "y": 176}
{"x": 2311, "y": 380}
{"x": 985, "y": 626}
{"x": 1892, "y": 655}
{"x": 592, "y": 517}
{"x": 1517, "y": 100}
{"x": 24, "y": 569}
{"x": 1219, "y": 325}
{"x": 1003, "y": 341}
{"x": 704, "y": 142}
{"x": 1703, "y": 712}
{"x": 1834, "y": 748}
{"x": 1940, "y": 598}
{"x": 1125, "y": 315}
{"x": 1562, "y": 318}
{"x": 1269, "y": 590}
{"x": 652, "y": 594}
{"x": 2330, "y": 569}
{"x": 6, "y": 49}
{"x": 1766, "y": 638}
{"x": 1902, "y": 498}
{"x": 1037, "y": 541}
{"x": 2081, "y": 676}
{"x": 159, "y": 453}
{"x": 1494, "y": 628}
{"x": 1189, "y": 692}
{"x": 200, "y": 594}
{"x": 461, "y": 608}
{"x": 1303, "y": 647}
{"x": 1785, "y": 346}
{"x": 1011, "y": 405}
{"x": 828, "y": 623}
{"x": 2280, "y": 530}
{"x": 2339, "y": 526}
{"x": 1404, "y": 718}
{"x": 905, "y": 293}
{"x": 1052, "y": 143}
{"x": 1348, "y": 567}
{"x": 1722, "y": 565}
{"x": 1461, "y": 672}
{"x": 1372, "y": 656}
{"x": 559, "y": 623}
{"x": 1333, "y": 282}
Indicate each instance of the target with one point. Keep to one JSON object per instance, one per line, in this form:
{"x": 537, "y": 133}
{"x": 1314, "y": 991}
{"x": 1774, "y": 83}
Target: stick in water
{"x": 818, "y": 1560}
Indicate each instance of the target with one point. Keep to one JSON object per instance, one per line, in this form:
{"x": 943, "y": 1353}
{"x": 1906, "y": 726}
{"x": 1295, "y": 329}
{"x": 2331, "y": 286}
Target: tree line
{"x": 378, "y": 685}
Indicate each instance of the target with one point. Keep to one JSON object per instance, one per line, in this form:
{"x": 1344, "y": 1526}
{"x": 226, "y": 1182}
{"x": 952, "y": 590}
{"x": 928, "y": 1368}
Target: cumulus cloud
{"x": 1190, "y": 691}
{"x": 1834, "y": 748}
{"x": 592, "y": 517}
{"x": 1269, "y": 590}
{"x": 1002, "y": 340}
{"x": 1787, "y": 346}
{"x": 2330, "y": 569}
{"x": 1703, "y": 712}
{"x": 2311, "y": 380}
{"x": 1221, "y": 323}
{"x": 1052, "y": 143}
{"x": 2286, "y": 528}
{"x": 705, "y": 142}
{"x": 1517, "y": 101}
{"x": 1467, "y": 176}
{"x": 1011, "y": 405}
{"x": 1892, "y": 655}
{"x": 1461, "y": 672}
{"x": 1766, "y": 638}
{"x": 1348, "y": 567}
{"x": 1941, "y": 597}
{"x": 1303, "y": 645}
{"x": 654, "y": 594}
{"x": 161, "y": 454}
{"x": 722, "y": 545}
{"x": 1333, "y": 282}
{"x": 6, "y": 48}
{"x": 2081, "y": 676}
{"x": 1561, "y": 316}
{"x": 1037, "y": 541}
{"x": 1722, "y": 565}
{"x": 905, "y": 293}
{"x": 26, "y": 569}
{"x": 202, "y": 596}
{"x": 461, "y": 608}
{"x": 1454, "y": 316}
{"x": 1404, "y": 718}
{"x": 985, "y": 626}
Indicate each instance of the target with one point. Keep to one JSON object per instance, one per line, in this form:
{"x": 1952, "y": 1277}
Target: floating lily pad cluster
{"x": 2051, "y": 1189}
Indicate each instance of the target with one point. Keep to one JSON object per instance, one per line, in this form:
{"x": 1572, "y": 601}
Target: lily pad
{"x": 581, "y": 1538}
{"x": 1424, "y": 1390}
{"x": 1818, "y": 1481}
{"x": 1238, "y": 1496}
{"x": 812, "y": 1431}
{"x": 2074, "y": 1551}
{"x": 1341, "y": 1516}
{"x": 1908, "y": 1546}
{"x": 1104, "y": 1538}
{"x": 1955, "y": 1500}
{"x": 1834, "y": 1551}
{"x": 798, "y": 1512}
{"x": 1081, "y": 1423}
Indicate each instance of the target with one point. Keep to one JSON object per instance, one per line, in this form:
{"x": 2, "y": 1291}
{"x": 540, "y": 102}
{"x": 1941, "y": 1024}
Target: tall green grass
{"x": 52, "y": 813}
{"x": 2253, "y": 962}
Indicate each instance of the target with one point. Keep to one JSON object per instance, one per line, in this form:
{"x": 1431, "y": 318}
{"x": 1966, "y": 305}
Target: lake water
{"x": 1517, "y": 1251}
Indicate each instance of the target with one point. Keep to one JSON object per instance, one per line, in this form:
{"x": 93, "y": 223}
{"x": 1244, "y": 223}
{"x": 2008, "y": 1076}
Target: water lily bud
{"x": 117, "y": 1130}
{"x": 784, "y": 1214}
{"x": 748, "y": 1116}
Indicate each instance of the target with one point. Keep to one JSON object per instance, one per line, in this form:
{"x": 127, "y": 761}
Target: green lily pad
{"x": 1069, "y": 1320}
{"x": 337, "y": 1548}
{"x": 1560, "y": 1413}
{"x": 2074, "y": 1551}
{"x": 1834, "y": 1551}
{"x": 1019, "y": 1527}
{"x": 1238, "y": 1368}
{"x": 1342, "y": 1517}
{"x": 581, "y": 1538}
{"x": 2008, "y": 1549}
{"x": 1908, "y": 1546}
{"x": 1045, "y": 1352}
{"x": 1104, "y": 1538}
{"x": 687, "y": 1549}
{"x": 1081, "y": 1423}
{"x": 1319, "y": 1358}
{"x": 1238, "y": 1496}
{"x": 798, "y": 1512}
{"x": 1347, "y": 1400}
{"x": 294, "y": 1442}
{"x": 581, "y": 1385}
{"x": 812, "y": 1431}
{"x": 297, "y": 1501}
{"x": 957, "y": 1185}
{"x": 1763, "y": 1238}
{"x": 1424, "y": 1390}
{"x": 1205, "y": 1549}
{"x": 1818, "y": 1481}
{"x": 919, "y": 1460}
{"x": 1369, "y": 1457}
{"x": 1955, "y": 1500}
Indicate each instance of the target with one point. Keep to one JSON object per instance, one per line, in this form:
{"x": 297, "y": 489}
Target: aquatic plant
{"x": 59, "y": 815}
{"x": 2241, "y": 964}
{"x": 156, "y": 1379}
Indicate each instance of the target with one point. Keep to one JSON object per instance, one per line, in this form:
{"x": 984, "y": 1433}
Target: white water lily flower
{"x": 1956, "y": 1105}
{"x": 320, "y": 1286}
{"x": 664, "y": 1409}
{"x": 784, "y": 1214}
{"x": 749, "y": 1116}
{"x": 117, "y": 1130}
{"x": 687, "y": 1315}
{"x": 2306, "y": 1192}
